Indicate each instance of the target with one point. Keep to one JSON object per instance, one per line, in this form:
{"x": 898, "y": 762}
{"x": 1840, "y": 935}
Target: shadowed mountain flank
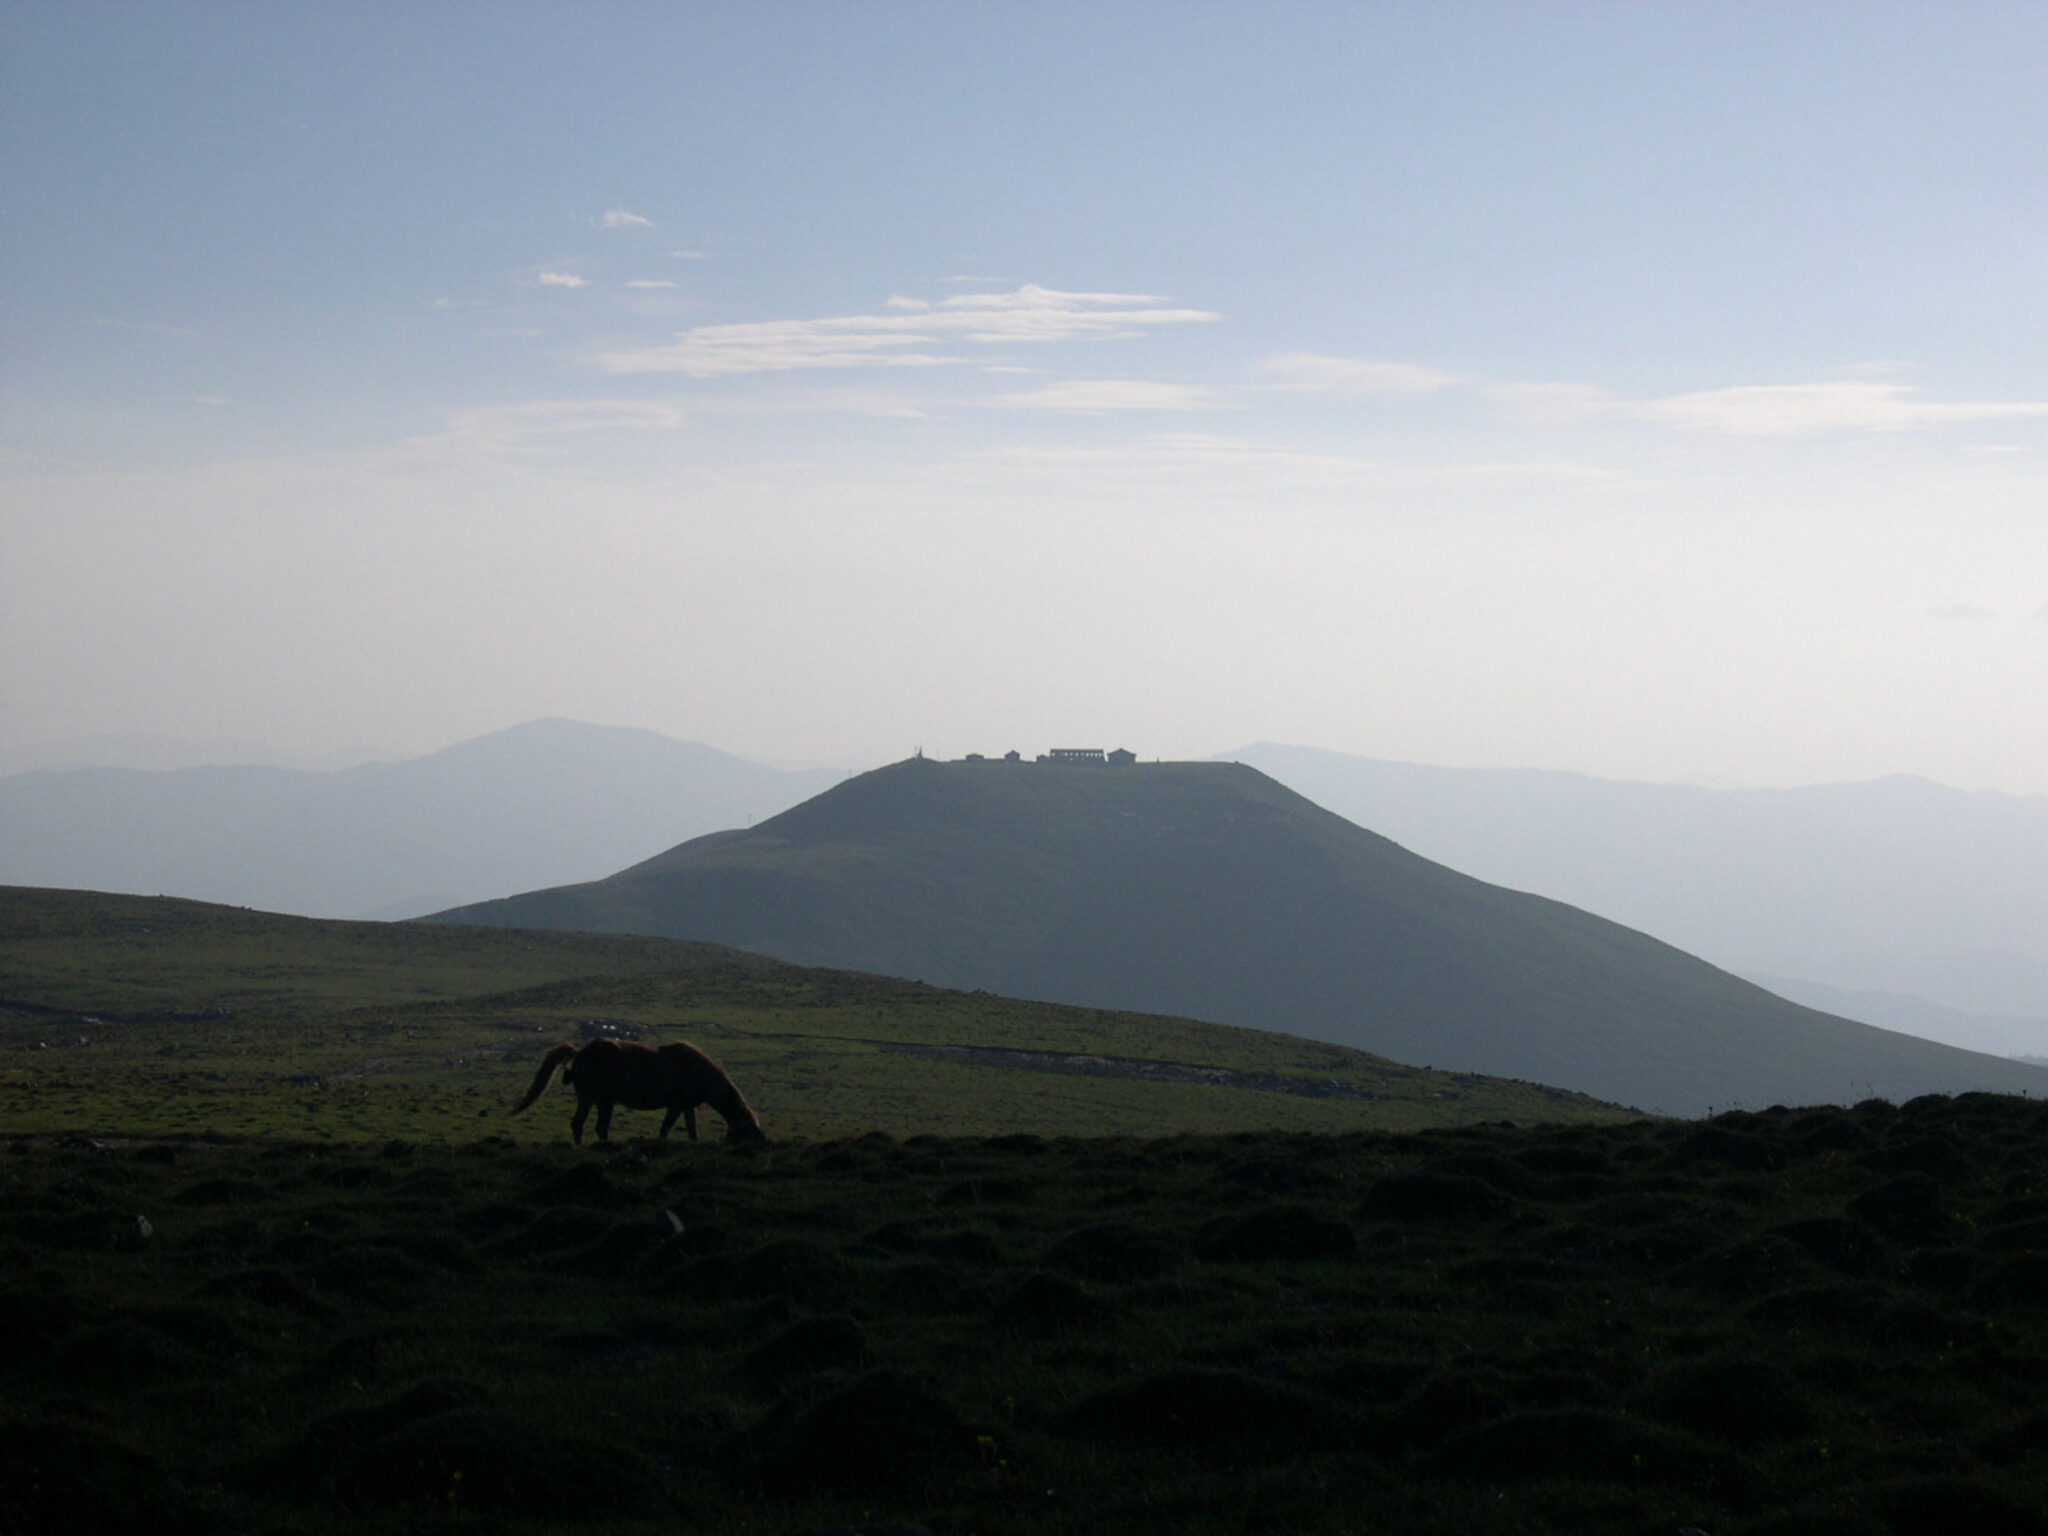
{"x": 1209, "y": 890}
{"x": 1890, "y": 886}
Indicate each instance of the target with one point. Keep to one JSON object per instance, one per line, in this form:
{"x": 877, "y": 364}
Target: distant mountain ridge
{"x": 1208, "y": 890}
{"x": 540, "y": 803}
{"x": 1898, "y": 885}
{"x": 1996, "y": 1035}
{"x": 1835, "y": 894}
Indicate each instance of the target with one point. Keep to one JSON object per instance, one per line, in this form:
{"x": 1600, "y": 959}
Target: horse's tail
{"x": 550, "y": 1064}
{"x": 723, "y": 1095}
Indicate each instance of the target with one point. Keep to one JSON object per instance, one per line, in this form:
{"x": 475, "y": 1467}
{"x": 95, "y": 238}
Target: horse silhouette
{"x": 676, "y": 1078}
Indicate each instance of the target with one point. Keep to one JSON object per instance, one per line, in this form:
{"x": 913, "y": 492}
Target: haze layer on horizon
{"x": 1654, "y": 392}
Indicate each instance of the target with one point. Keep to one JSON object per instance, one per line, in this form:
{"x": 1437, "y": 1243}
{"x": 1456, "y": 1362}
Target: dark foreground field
{"x": 1811, "y": 1320}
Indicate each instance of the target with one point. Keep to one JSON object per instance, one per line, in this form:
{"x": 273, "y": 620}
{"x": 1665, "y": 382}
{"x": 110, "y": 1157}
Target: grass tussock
{"x": 1811, "y": 1320}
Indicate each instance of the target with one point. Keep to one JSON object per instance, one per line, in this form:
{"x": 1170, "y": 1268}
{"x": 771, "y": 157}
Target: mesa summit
{"x": 1116, "y": 757}
{"x": 1207, "y": 890}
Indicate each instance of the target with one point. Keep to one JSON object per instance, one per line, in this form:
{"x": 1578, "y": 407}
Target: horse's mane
{"x": 550, "y": 1064}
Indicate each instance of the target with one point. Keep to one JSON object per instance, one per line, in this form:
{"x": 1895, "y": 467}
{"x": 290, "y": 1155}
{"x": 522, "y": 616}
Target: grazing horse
{"x": 676, "y": 1078}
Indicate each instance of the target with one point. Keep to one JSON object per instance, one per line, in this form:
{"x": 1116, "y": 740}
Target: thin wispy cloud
{"x": 1761, "y": 410}
{"x": 650, "y": 282}
{"x": 1557, "y": 404}
{"x": 562, "y": 280}
{"x": 507, "y": 425}
{"x": 510, "y": 427}
{"x": 1777, "y": 410}
{"x": 1960, "y": 613}
{"x": 914, "y": 333}
{"x": 690, "y": 255}
{"x": 1309, "y": 371}
{"x": 1100, "y": 396}
{"x": 1212, "y": 460}
{"x": 775, "y": 346}
{"x": 619, "y": 218}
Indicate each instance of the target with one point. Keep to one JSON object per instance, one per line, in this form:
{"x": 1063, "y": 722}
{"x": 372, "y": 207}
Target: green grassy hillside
{"x": 1207, "y": 890}
{"x": 371, "y": 1305}
{"x": 148, "y": 1017}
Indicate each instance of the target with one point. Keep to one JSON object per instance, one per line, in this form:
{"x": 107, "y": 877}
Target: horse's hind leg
{"x": 604, "y": 1120}
{"x": 668, "y": 1121}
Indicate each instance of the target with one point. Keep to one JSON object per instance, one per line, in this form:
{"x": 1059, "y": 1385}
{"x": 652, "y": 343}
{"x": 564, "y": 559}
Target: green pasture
{"x": 275, "y": 1262}
{"x": 150, "y": 1017}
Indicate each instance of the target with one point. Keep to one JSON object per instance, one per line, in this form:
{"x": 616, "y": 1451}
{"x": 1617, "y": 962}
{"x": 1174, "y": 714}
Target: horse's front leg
{"x": 604, "y": 1119}
{"x": 668, "y": 1121}
{"x": 690, "y": 1120}
{"x": 576, "y": 1121}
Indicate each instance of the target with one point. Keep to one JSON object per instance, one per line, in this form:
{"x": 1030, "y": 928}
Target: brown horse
{"x": 676, "y": 1078}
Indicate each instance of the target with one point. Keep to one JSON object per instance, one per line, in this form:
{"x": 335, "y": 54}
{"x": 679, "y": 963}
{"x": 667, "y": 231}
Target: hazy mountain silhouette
{"x": 544, "y": 802}
{"x": 1899, "y": 902}
{"x": 1999, "y": 1035}
{"x": 1898, "y": 885}
{"x": 1209, "y": 890}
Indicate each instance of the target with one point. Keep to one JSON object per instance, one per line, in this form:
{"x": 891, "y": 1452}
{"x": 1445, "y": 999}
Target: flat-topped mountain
{"x": 1209, "y": 890}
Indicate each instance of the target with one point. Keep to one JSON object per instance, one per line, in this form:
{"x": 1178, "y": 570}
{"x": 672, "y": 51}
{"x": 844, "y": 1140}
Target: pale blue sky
{"x": 1652, "y": 390}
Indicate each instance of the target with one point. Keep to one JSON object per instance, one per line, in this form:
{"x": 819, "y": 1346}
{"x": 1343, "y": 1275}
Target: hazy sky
{"x": 1656, "y": 390}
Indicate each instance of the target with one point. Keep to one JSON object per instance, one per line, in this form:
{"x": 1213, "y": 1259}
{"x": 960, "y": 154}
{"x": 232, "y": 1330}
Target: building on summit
{"x": 1121, "y": 757}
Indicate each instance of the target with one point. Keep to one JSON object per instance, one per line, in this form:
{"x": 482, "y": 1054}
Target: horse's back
{"x": 649, "y": 1077}
{"x": 681, "y": 1056}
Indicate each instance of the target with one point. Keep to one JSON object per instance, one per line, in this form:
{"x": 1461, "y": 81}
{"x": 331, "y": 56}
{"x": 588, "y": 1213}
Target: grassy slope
{"x": 1812, "y": 1322}
{"x": 1208, "y": 890}
{"x": 1802, "y": 1321}
{"x": 149, "y": 1016}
